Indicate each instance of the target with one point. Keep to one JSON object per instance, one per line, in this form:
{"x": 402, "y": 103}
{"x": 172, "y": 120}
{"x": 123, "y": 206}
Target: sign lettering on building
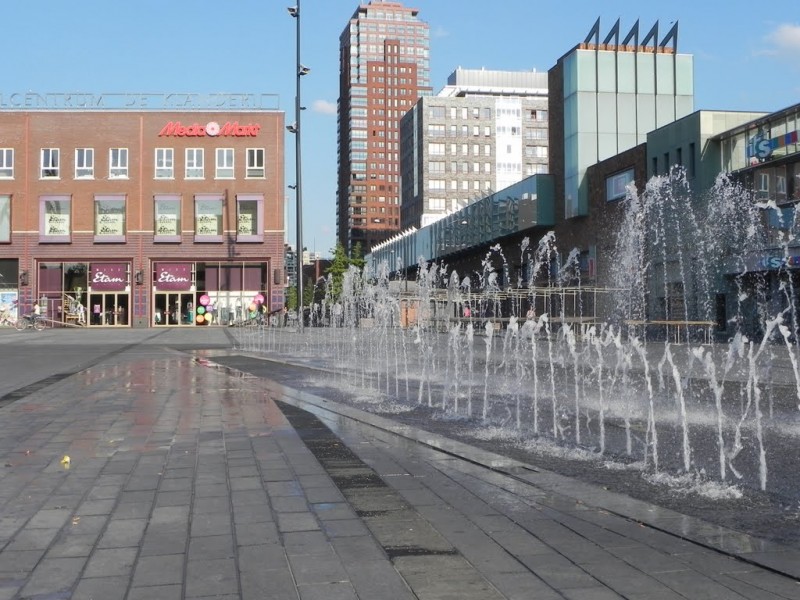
{"x": 137, "y": 101}
{"x": 210, "y": 129}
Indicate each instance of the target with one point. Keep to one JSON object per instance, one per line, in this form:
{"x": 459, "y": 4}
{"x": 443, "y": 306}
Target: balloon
{"x": 252, "y": 307}
{"x": 201, "y": 310}
{"x": 208, "y": 318}
{"x": 199, "y": 318}
{"x": 259, "y": 299}
{"x": 204, "y": 300}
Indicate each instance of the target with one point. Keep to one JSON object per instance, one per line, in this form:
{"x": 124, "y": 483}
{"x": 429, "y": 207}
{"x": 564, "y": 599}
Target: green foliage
{"x": 339, "y": 265}
{"x": 357, "y": 256}
{"x": 291, "y": 297}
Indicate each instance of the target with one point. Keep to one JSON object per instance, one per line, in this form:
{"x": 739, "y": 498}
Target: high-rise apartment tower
{"x": 384, "y": 69}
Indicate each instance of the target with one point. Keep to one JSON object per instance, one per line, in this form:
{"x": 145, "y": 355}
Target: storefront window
{"x": 208, "y": 218}
{"x": 249, "y": 217}
{"x": 167, "y": 225}
{"x": 109, "y": 218}
{"x": 55, "y": 225}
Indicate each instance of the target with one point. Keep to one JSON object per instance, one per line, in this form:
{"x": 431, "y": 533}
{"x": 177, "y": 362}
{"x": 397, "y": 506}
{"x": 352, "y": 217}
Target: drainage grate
{"x": 400, "y": 551}
{"x": 367, "y": 492}
{"x": 32, "y": 388}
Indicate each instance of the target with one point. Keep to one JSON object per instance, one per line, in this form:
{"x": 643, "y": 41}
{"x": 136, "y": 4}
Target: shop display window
{"x": 208, "y": 218}
{"x": 249, "y": 218}
{"x": 167, "y": 215}
{"x": 109, "y": 219}
{"x": 55, "y": 219}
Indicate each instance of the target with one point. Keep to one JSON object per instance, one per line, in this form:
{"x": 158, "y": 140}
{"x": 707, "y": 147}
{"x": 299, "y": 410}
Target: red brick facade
{"x": 254, "y": 180}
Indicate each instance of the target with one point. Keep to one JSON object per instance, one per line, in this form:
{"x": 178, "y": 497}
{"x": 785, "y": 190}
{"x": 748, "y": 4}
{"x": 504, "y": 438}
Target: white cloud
{"x": 324, "y": 107}
{"x": 784, "y": 41}
{"x": 440, "y": 32}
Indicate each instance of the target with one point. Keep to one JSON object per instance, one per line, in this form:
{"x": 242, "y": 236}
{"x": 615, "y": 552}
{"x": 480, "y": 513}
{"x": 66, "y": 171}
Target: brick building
{"x": 142, "y": 218}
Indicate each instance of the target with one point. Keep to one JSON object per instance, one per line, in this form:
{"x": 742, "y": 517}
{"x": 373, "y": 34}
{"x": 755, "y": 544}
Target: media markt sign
{"x": 210, "y": 129}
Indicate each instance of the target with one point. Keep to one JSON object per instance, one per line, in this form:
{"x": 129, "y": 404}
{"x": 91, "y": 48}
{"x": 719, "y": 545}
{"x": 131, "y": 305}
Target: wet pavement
{"x": 189, "y": 479}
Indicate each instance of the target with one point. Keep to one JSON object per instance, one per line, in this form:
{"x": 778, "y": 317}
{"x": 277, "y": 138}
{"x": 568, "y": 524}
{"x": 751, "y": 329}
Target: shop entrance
{"x": 173, "y": 308}
{"x": 108, "y": 309}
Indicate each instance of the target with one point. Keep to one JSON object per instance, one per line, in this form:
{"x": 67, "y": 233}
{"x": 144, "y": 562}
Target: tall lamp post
{"x": 294, "y": 11}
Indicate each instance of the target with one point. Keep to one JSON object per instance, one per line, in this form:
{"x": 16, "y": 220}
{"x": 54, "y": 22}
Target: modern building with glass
{"x": 484, "y": 131}
{"x": 383, "y": 69}
{"x": 604, "y": 97}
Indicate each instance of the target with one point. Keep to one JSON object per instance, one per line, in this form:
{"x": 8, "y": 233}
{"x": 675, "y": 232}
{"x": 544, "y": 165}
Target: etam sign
{"x": 210, "y": 129}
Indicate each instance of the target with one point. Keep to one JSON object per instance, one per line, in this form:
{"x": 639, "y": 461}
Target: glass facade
{"x": 612, "y": 99}
{"x": 526, "y": 204}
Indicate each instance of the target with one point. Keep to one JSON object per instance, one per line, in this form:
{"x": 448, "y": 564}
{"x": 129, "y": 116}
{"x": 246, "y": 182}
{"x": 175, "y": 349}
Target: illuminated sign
{"x": 210, "y": 129}
{"x": 776, "y": 262}
{"x": 760, "y": 147}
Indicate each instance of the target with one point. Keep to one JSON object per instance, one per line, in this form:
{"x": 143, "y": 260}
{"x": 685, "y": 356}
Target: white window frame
{"x": 164, "y": 163}
{"x": 6, "y": 163}
{"x": 256, "y": 163}
{"x": 224, "y": 163}
{"x": 84, "y": 163}
{"x": 50, "y": 163}
{"x": 195, "y": 164}
{"x": 117, "y": 163}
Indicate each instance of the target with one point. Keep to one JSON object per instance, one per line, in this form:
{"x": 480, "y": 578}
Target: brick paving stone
{"x": 111, "y": 562}
{"x": 122, "y": 533}
{"x": 377, "y": 579}
{"x": 264, "y": 557}
{"x": 73, "y": 545}
{"x": 159, "y": 570}
{"x": 308, "y": 569}
{"x": 201, "y": 498}
{"x": 19, "y": 562}
{"x": 53, "y": 576}
{"x": 328, "y": 591}
{"x": 156, "y": 592}
{"x": 275, "y": 584}
{"x": 212, "y": 547}
{"x": 101, "y": 588}
{"x": 252, "y": 513}
{"x": 211, "y": 577}
{"x": 255, "y": 534}
{"x": 217, "y": 523}
{"x": 32, "y": 539}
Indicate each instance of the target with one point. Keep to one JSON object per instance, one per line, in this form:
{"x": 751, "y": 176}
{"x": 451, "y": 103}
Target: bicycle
{"x": 34, "y": 321}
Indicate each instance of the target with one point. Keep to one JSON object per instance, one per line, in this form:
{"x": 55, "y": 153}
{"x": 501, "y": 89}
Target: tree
{"x": 339, "y": 265}
{"x": 291, "y": 297}
{"x": 357, "y": 256}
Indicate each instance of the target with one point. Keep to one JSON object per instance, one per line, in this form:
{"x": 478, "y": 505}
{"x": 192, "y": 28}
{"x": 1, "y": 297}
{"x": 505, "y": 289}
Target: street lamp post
{"x": 294, "y": 11}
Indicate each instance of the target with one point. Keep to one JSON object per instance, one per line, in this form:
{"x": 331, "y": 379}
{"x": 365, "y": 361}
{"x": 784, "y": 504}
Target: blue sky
{"x": 746, "y": 56}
